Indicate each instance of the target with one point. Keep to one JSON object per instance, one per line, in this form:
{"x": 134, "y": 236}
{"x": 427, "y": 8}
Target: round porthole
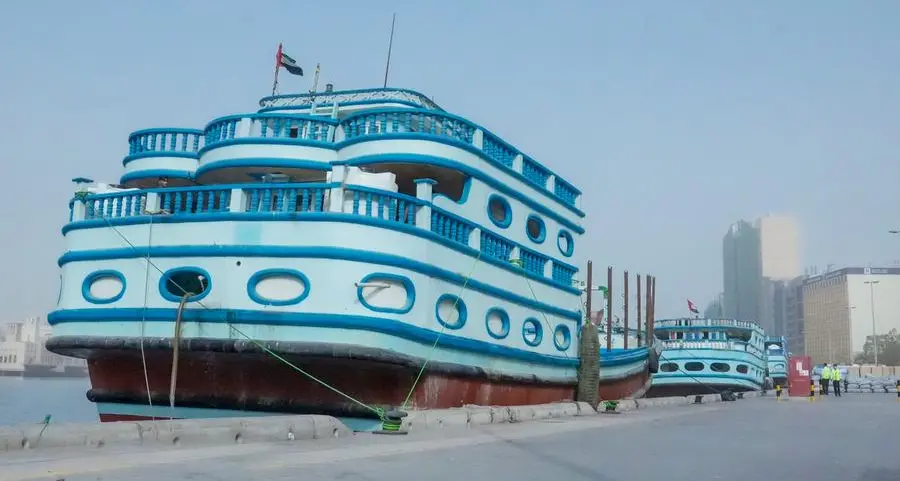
{"x": 176, "y": 283}
{"x": 532, "y": 332}
{"x": 565, "y": 243}
{"x": 535, "y": 229}
{"x": 562, "y": 337}
{"x": 451, "y": 311}
{"x": 742, "y": 368}
{"x": 499, "y": 211}
{"x": 497, "y": 323}
{"x": 668, "y": 367}
{"x": 278, "y": 287}
{"x": 102, "y": 287}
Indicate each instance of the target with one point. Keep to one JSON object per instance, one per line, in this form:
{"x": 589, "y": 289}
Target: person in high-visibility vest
{"x": 825, "y": 379}
{"x": 836, "y": 380}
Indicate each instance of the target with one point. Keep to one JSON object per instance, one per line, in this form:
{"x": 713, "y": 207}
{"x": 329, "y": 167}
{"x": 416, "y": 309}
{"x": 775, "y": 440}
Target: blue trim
{"x": 542, "y": 235}
{"x": 701, "y": 375}
{"x": 163, "y": 280}
{"x": 564, "y": 234}
{"x": 567, "y": 337}
{"x": 295, "y": 141}
{"x": 460, "y": 308}
{"x": 478, "y": 174}
{"x": 425, "y": 181}
{"x": 325, "y": 217}
{"x": 507, "y": 220}
{"x": 338, "y": 253}
{"x": 620, "y": 356}
{"x": 305, "y": 319}
{"x": 538, "y": 331}
{"x": 345, "y": 92}
{"x": 277, "y": 272}
{"x": 153, "y": 174}
{"x": 274, "y": 162}
{"x": 83, "y": 180}
{"x": 407, "y": 284}
{"x": 93, "y": 277}
{"x": 159, "y": 153}
{"x": 463, "y": 197}
{"x": 504, "y": 320}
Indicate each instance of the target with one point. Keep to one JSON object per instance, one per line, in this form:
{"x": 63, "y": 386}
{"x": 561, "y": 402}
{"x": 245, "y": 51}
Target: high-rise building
{"x": 793, "y": 315}
{"x": 843, "y": 308}
{"x": 757, "y": 260}
{"x": 713, "y": 310}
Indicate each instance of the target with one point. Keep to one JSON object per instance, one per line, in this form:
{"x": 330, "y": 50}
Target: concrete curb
{"x": 193, "y": 432}
{"x": 173, "y": 432}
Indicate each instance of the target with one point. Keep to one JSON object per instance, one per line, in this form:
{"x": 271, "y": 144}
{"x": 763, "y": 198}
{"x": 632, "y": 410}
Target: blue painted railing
{"x": 495, "y": 246}
{"x": 563, "y": 273}
{"x": 287, "y": 198}
{"x": 113, "y": 205}
{"x": 451, "y": 226}
{"x": 532, "y": 261}
{"x": 389, "y": 206}
{"x": 396, "y": 122}
{"x": 313, "y": 198}
{"x": 407, "y": 121}
{"x": 284, "y": 127}
{"x": 179, "y": 142}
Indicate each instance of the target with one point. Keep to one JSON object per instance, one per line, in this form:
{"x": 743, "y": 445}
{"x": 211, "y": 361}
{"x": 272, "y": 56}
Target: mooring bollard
{"x": 778, "y": 392}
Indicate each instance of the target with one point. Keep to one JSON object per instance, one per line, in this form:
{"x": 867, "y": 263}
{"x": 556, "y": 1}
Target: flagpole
{"x": 387, "y": 66}
{"x": 277, "y": 69}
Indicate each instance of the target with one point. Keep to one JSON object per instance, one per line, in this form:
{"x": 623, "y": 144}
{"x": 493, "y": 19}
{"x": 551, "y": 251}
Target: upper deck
{"x": 704, "y": 333}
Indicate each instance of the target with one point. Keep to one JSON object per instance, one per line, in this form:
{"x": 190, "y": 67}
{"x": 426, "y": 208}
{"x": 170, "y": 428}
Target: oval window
{"x": 565, "y": 243}
{"x": 668, "y": 367}
{"x": 278, "y": 287}
{"x": 451, "y": 311}
{"x": 693, "y": 366}
{"x": 719, "y": 367}
{"x": 499, "y": 211}
{"x": 381, "y": 292}
{"x": 535, "y": 229}
{"x": 497, "y": 321}
{"x": 742, "y": 368}
{"x": 179, "y": 282}
{"x": 562, "y": 337}
{"x": 532, "y": 332}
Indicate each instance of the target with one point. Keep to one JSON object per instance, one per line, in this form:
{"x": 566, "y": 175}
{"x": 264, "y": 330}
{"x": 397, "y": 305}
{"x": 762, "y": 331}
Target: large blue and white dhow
{"x": 707, "y": 356}
{"x": 320, "y": 254}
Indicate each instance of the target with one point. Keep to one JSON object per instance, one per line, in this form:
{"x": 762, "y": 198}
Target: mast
{"x": 387, "y": 66}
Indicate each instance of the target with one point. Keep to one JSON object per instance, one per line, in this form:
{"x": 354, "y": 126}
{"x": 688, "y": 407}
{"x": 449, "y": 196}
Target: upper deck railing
{"x": 170, "y": 142}
{"x": 705, "y": 323}
{"x": 387, "y": 123}
{"x": 344, "y": 97}
{"x": 292, "y": 201}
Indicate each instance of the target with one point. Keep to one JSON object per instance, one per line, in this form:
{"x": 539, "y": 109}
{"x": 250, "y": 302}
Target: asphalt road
{"x": 856, "y": 437}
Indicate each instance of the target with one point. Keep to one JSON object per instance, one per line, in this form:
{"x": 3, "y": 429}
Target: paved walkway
{"x": 748, "y": 440}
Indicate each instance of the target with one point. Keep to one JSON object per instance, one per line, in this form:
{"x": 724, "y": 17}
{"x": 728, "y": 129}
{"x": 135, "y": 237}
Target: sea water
{"x": 29, "y": 400}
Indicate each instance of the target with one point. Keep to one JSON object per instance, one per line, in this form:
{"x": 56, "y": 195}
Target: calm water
{"x": 29, "y": 400}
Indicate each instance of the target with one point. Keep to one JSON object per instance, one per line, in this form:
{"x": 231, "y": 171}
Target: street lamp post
{"x": 874, "y": 331}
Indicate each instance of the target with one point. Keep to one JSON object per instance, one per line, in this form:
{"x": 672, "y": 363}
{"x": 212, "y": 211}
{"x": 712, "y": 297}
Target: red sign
{"x": 799, "y": 374}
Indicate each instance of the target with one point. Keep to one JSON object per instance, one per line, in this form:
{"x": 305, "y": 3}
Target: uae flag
{"x": 692, "y": 307}
{"x": 288, "y": 62}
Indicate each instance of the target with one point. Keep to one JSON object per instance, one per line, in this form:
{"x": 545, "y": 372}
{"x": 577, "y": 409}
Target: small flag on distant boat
{"x": 692, "y": 307}
{"x": 288, "y": 62}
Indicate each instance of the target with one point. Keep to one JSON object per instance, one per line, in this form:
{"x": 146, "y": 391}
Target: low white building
{"x": 22, "y": 344}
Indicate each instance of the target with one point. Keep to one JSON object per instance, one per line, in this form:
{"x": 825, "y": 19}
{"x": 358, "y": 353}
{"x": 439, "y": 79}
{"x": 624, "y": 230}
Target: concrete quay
{"x": 852, "y": 438}
{"x": 226, "y": 431}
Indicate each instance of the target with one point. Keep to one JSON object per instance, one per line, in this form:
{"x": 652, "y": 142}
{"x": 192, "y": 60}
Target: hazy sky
{"x": 674, "y": 118}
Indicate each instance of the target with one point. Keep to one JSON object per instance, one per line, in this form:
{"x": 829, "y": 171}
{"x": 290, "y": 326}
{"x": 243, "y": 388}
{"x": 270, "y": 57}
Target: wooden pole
{"x": 609, "y": 311}
{"x": 652, "y": 304}
{"x": 589, "y": 354}
{"x": 638, "y": 317}
{"x": 625, "y": 308}
{"x": 590, "y": 283}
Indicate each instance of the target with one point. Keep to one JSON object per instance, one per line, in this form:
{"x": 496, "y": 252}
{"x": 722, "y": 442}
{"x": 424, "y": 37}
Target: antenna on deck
{"x": 387, "y": 66}
{"x": 312, "y": 91}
